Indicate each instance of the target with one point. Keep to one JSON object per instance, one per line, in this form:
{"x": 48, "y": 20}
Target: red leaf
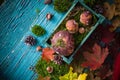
{"x": 47, "y": 54}
{"x": 116, "y": 71}
{"x": 95, "y": 59}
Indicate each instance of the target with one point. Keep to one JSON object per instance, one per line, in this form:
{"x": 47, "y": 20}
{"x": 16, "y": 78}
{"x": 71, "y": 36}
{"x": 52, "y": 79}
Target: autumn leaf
{"x": 91, "y": 76}
{"x": 43, "y": 78}
{"x": 95, "y": 59}
{"x": 104, "y": 71}
{"x": 47, "y": 54}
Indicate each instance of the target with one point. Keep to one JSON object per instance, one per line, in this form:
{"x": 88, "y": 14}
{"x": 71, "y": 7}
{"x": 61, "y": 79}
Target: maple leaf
{"x": 95, "y": 59}
{"x": 47, "y": 54}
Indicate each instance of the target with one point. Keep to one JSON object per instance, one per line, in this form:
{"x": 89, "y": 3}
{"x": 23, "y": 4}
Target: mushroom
{"x": 49, "y": 69}
{"x": 81, "y": 30}
{"x": 86, "y": 17}
{"x": 49, "y": 16}
{"x": 48, "y": 1}
{"x": 39, "y": 48}
{"x": 72, "y": 26}
{"x": 63, "y": 43}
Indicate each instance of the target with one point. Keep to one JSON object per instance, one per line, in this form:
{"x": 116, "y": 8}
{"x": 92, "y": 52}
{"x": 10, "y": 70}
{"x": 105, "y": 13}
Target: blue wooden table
{"x": 16, "y": 19}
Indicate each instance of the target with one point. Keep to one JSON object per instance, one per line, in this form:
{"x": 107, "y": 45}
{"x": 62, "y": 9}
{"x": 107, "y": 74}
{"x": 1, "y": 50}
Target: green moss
{"x": 62, "y": 5}
{"x": 58, "y": 70}
{"x": 60, "y": 43}
{"x": 38, "y": 30}
{"x": 90, "y": 2}
{"x": 79, "y": 37}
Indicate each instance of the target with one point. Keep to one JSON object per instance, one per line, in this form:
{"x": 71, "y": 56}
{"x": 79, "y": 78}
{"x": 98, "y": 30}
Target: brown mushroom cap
{"x": 86, "y": 17}
{"x": 63, "y": 43}
{"x": 39, "y": 48}
{"x": 72, "y": 26}
{"x": 81, "y": 30}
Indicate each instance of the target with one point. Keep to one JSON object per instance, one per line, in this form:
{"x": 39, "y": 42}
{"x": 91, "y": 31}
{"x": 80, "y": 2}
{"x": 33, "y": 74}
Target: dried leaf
{"x": 47, "y": 54}
{"x": 104, "y": 72}
{"x": 43, "y": 78}
{"x": 95, "y": 59}
{"x": 92, "y": 77}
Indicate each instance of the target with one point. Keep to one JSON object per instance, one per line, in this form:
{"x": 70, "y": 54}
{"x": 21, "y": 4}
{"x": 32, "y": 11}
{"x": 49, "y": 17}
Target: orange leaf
{"x": 47, "y": 54}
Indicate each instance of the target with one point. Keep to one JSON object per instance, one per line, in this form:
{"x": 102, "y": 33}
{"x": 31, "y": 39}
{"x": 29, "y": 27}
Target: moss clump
{"x": 58, "y": 70}
{"x": 62, "y": 5}
{"x": 90, "y": 2}
{"x": 38, "y": 30}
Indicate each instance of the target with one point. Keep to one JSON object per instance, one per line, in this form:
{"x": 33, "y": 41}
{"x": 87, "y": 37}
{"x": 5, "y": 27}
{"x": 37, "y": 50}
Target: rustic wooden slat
{"x": 17, "y": 54}
{"x": 26, "y": 19}
{"x": 6, "y": 36}
{"x": 15, "y": 24}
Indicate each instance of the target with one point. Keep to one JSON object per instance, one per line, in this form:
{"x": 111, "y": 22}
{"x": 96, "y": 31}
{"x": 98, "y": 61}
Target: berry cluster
{"x": 58, "y": 59}
{"x": 30, "y": 40}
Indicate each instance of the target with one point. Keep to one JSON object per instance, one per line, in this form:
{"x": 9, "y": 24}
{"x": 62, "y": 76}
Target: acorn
{"x": 39, "y": 48}
{"x": 81, "y": 30}
{"x": 49, "y": 16}
{"x": 49, "y": 69}
{"x": 47, "y": 1}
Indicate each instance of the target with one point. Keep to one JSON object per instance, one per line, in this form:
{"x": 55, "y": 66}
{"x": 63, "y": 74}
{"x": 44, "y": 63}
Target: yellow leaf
{"x": 82, "y": 76}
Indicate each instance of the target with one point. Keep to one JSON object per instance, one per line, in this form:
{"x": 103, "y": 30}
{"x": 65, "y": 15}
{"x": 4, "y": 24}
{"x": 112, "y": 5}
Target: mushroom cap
{"x": 81, "y": 30}
{"x": 47, "y": 1}
{"x": 39, "y": 48}
{"x": 49, "y": 69}
{"x": 72, "y": 26}
{"x": 86, "y": 17}
{"x": 63, "y": 43}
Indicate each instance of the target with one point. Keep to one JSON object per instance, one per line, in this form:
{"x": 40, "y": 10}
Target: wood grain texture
{"x": 16, "y": 19}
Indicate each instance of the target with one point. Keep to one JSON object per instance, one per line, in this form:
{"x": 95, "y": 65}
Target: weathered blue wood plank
{"x": 15, "y": 22}
{"x": 13, "y": 32}
{"x": 19, "y": 70}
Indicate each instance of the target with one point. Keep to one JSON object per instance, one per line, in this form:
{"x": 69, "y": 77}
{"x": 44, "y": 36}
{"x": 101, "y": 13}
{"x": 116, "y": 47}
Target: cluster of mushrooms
{"x": 63, "y": 41}
{"x": 73, "y": 27}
